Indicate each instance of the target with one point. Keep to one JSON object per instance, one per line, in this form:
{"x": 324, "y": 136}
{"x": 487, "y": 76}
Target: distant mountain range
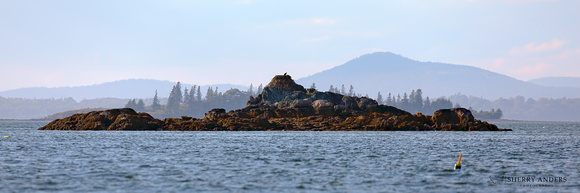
{"x": 368, "y": 74}
{"x": 571, "y": 82}
{"x": 124, "y": 89}
{"x": 391, "y": 73}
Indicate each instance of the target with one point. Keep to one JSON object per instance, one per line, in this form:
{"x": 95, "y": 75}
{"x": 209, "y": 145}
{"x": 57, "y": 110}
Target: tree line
{"x": 415, "y": 102}
{"x": 493, "y": 114}
{"x": 412, "y": 103}
{"x": 521, "y": 108}
{"x": 191, "y": 101}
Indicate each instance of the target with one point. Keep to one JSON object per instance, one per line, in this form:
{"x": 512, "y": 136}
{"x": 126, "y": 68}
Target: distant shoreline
{"x": 25, "y": 120}
{"x": 531, "y": 121}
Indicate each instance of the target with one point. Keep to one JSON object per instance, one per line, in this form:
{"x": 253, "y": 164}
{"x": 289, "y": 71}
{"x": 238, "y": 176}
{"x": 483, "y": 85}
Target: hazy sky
{"x": 69, "y": 43}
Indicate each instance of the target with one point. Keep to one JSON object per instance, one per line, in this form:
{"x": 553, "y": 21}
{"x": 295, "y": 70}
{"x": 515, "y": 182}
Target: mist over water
{"x": 87, "y": 161}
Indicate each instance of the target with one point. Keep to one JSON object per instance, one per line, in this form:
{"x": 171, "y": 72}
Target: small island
{"x": 284, "y": 105}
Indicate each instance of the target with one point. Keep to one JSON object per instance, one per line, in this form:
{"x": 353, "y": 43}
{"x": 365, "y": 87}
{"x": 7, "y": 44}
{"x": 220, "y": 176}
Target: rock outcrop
{"x": 459, "y": 119}
{"x": 285, "y": 105}
{"x": 112, "y": 119}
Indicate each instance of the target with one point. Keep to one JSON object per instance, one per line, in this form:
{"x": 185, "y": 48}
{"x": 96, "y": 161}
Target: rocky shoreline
{"x": 285, "y": 106}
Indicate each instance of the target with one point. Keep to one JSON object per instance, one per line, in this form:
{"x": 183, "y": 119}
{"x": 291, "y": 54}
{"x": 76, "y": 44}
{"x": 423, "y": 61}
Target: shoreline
{"x": 490, "y": 120}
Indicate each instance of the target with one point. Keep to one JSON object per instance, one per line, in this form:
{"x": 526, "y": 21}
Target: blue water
{"x": 154, "y": 161}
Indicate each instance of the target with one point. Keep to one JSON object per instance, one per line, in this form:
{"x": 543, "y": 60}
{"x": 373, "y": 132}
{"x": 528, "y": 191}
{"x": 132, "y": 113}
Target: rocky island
{"x": 285, "y": 106}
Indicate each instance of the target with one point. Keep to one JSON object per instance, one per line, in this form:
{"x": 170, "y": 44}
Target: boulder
{"x": 453, "y": 116}
{"x": 301, "y": 103}
{"x": 112, "y": 119}
{"x": 366, "y": 103}
{"x": 460, "y": 119}
{"x": 215, "y": 114}
{"x": 133, "y": 122}
{"x": 322, "y": 106}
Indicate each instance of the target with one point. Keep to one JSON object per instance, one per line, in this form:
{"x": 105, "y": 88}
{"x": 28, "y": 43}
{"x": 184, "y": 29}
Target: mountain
{"x": 391, "y": 73}
{"x": 572, "y": 82}
{"x": 132, "y": 88}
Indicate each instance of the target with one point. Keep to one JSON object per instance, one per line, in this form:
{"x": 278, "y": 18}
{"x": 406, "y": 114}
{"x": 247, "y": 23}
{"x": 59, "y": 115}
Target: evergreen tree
{"x": 398, "y": 101}
{"x": 192, "y": 94}
{"x": 427, "y": 106}
{"x": 412, "y": 101}
{"x": 185, "y": 95}
{"x": 198, "y": 96}
{"x": 331, "y": 89}
{"x": 418, "y": 100}
{"x": 209, "y": 95}
{"x": 343, "y": 90}
{"x": 313, "y": 86}
{"x": 251, "y": 90}
{"x": 189, "y": 98}
{"x": 390, "y": 100}
{"x": 405, "y": 102}
{"x": 175, "y": 98}
{"x": 380, "y": 98}
{"x": 260, "y": 89}
{"x": 131, "y": 104}
{"x": 155, "y": 105}
{"x": 140, "y": 106}
{"x": 351, "y": 91}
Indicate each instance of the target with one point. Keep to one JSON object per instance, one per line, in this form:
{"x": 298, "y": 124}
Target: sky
{"x": 55, "y": 43}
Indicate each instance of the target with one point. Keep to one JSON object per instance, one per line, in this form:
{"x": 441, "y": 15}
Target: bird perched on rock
{"x": 285, "y": 73}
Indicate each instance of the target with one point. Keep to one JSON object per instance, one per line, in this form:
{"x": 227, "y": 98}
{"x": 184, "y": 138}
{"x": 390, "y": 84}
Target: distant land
{"x": 368, "y": 74}
{"x": 387, "y": 72}
{"x": 571, "y": 82}
{"x": 554, "y": 98}
{"x": 123, "y": 89}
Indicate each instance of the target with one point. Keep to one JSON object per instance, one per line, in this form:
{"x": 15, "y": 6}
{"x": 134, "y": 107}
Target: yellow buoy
{"x": 458, "y": 164}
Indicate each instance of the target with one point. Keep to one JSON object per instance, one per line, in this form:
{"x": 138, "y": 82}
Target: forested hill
{"x": 391, "y": 73}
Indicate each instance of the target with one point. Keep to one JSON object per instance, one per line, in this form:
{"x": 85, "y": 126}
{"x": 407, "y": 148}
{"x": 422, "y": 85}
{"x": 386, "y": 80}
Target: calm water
{"x": 118, "y": 161}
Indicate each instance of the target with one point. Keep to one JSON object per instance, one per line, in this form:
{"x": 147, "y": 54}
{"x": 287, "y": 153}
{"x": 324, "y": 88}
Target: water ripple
{"x": 94, "y": 161}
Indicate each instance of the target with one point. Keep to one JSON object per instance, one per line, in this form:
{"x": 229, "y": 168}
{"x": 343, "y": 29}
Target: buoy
{"x": 7, "y": 136}
{"x": 458, "y": 164}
